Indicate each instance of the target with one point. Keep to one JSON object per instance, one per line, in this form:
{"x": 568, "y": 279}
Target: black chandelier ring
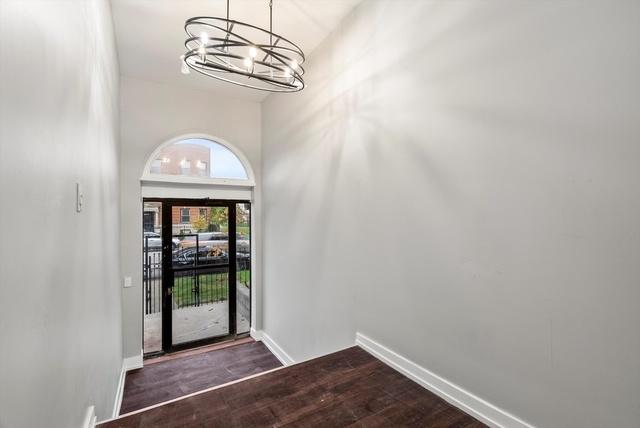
{"x": 210, "y": 67}
{"x": 226, "y": 25}
{"x": 248, "y": 73}
{"x": 194, "y": 44}
{"x": 243, "y": 54}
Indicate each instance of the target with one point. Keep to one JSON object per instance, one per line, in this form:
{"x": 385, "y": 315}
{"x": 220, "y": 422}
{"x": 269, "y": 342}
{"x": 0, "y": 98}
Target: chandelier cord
{"x": 271, "y": 31}
{"x": 271, "y": 22}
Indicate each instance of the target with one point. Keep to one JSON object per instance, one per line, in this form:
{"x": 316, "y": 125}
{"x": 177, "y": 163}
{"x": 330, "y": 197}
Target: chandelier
{"x": 242, "y": 54}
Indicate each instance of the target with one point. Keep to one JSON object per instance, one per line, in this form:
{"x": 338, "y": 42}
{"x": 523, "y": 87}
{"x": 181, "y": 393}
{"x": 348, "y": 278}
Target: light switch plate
{"x": 127, "y": 282}
{"x": 79, "y": 197}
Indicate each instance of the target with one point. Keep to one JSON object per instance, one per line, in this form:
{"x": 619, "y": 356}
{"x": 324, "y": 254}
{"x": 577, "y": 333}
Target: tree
{"x": 201, "y": 224}
{"x": 242, "y": 215}
{"x": 218, "y": 218}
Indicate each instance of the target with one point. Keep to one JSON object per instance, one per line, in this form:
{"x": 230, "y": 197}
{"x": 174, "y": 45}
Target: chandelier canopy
{"x": 243, "y": 54}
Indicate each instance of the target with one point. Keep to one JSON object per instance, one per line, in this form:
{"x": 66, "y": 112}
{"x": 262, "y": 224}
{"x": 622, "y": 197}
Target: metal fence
{"x": 195, "y": 288}
{"x": 152, "y": 278}
{"x": 190, "y": 287}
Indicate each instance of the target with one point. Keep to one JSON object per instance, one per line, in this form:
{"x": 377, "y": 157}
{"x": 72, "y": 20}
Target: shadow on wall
{"x": 372, "y": 79}
{"x": 363, "y": 98}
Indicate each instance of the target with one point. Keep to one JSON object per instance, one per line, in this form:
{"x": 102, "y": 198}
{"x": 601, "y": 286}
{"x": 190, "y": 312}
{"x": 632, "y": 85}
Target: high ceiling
{"x": 150, "y": 34}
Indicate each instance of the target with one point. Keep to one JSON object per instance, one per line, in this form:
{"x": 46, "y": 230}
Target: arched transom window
{"x": 197, "y": 160}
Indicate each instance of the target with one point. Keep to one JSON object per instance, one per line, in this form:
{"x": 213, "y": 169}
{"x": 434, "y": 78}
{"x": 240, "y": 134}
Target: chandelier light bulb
{"x": 248, "y": 62}
{"x": 294, "y": 64}
{"x": 253, "y": 52}
{"x": 287, "y": 72}
{"x": 203, "y": 53}
{"x": 204, "y": 38}
{"x": 185, "y": 67}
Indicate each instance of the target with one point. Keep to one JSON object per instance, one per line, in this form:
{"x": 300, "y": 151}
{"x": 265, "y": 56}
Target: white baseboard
{"x": 256, "y": 334}
{"x": 133, "y": 363}
{"x": 275, "y": 349}
{"x": 130, "y": 363}
{"x": 90, "y": 418}
{"x": 119, "y": 392}
{"x": 473, "y": 405}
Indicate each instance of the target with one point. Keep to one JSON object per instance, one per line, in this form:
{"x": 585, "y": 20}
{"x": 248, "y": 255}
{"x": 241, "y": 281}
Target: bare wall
{"x": 60, "y": 310}
{"x": 460, "y": 183}
{"x": 152, "y": 114}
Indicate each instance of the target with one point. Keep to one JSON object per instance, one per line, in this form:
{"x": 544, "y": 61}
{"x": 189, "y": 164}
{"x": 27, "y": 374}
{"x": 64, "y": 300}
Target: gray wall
{"x": 60, "y": 317}
{"x": 460, "y": 183}
{"x": 151, "y": 114}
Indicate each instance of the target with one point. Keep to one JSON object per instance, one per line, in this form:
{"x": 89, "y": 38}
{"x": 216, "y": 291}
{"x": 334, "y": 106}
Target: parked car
{"x": 215, "y": 239}
{"x": 154, "y": 241}
{"x": 207, "y": 255}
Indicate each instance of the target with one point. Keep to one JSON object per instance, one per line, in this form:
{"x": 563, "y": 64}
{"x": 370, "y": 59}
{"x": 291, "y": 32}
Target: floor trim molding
{"x": 130, "y": 363}
{"x": 275, "y": 349}
{"x": 256, "y": 334}
{"x": 133, "y": 363}
{"x": 452, "y": 393}
{"x": 119, "y": 392}
{"x": 90, "y": 418}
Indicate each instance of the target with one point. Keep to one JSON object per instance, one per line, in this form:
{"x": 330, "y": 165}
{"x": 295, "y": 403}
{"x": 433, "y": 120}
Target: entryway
{"x": 196, "y": 272}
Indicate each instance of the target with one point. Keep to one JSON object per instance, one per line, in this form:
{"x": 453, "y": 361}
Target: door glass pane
{"x": 152, "y": 276}
{"x": 200, "y": 289}
{"x": 243, "y": 268}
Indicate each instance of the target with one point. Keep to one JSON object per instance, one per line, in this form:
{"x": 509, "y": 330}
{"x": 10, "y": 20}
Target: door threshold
{"x": 159, "y": 358}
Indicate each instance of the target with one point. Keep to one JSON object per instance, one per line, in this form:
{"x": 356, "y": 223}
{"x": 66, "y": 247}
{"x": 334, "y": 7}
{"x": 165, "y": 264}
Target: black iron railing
{"x": 152, "y": 277}
{"x": 209, "y": 284}
{"x": 195, "y": 288}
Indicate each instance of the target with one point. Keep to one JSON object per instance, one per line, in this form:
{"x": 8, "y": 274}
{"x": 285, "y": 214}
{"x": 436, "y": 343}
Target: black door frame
{"x": 168, "y": 269}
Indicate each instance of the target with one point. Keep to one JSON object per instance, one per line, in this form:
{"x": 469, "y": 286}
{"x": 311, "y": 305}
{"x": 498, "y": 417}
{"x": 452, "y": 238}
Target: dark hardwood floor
{"x": 176, "y": 377}
{"x": 347, "y": 388}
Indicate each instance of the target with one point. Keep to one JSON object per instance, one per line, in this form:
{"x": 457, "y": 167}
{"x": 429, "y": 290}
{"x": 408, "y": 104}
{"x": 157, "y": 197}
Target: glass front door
{"x": 200, "y": 271}
{"x": 206, "y": 271}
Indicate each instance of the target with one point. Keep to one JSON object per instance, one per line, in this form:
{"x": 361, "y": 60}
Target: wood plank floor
{"x": 347, "y": 388}
{"x": 173, "y": 378}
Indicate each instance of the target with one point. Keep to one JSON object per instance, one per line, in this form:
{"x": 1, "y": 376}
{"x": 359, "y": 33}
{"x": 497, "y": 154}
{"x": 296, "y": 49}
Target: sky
{"x": 224, "y": 164}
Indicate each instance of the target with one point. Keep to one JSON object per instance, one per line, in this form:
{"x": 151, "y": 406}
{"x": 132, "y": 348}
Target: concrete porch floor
{"x": 192, "y": 323}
